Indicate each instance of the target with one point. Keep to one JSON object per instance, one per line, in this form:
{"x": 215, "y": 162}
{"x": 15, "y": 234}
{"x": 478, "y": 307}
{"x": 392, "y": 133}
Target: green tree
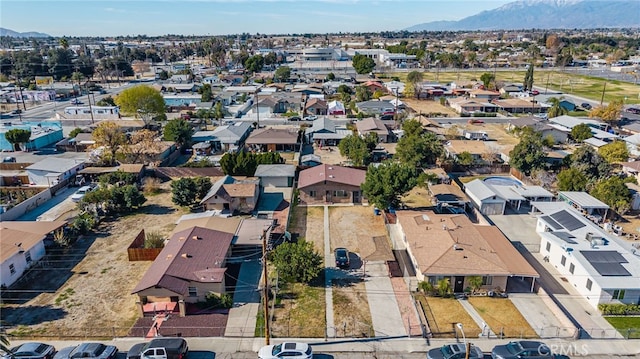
{"x": 528, "y": 155}
{"x": 17, "y": 136}
{"x": 4, "y": 343}
{"x": 528, "y": 79}
{"x": 572, "y": 179}
{"x": 385, "y": 184}
{"x": 179, "y": 131}
{"x": 282, "y": 74}
{"x": 614, "y": 193}
{"x": 126, "y": 198}
{"x": 254, "y": 63}
{"x": 60, "y": 62}
{"x": 475, "y": 282}
{"x": 363, "y": 64}
{"x": 609, "y": 113}
{"x": 218, "y": 112}
{"x": 415, "y": 79}
{"x": 444, "y": 287}
{"x": 107, "y": 101}
{"x": 590, "y": 163}
{"x": 417, "y": 148}
{"x": 203, "y": 185}
{"x": 141, "y": 100}
{"x": 297, "y": 262}
{"x": 556, "y": 110}
{"x": 465, "y": 158}
{"x": 614, "y": 152}
{"x": 111, "y": 136}
{"x": 163, "y": 75}
{"x": 75, "y": 132}
{"x": 363, "y": 94}
{"x": 205, "y": 93}
{"x": 331, "y": 76}
{"x": 487, "y": 78}
{"x": 184, "y": 191}
{"x": 245, "y": 163}
{"x": 355, "y": 149}
{"x": 581, "y": 132}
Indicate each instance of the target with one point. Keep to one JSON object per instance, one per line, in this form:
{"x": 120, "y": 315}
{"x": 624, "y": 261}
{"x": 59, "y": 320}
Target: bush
{"x": 151, "y": 185}
{"x": 214, "y": 301}
{"x": 153, "y": 240}
{"x": 84, "y": 223}
{"x": 619, "y": 309}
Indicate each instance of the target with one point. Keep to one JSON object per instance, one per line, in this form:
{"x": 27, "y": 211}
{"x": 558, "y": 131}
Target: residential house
{"x": 375, "y": 107}
{"x": 310, "y": 160}
{"x": 224, "y": 138}
{"x": 235, "y": 195}
{"x": 330, "y": 184}
{"x": 43, "y": 134}
{"x": 22, "y": 245}
{"x": 484, "y": 95}
{"x": 81, "y": 143}
{"x": 292, "y": 100}
{"x": 633, "y": 145}
{"x": 469, "y": 106}
{"x": 374, "y": 86}
{"x": 538, "y": 125}
{"x": 279, "y": 175}
{"x": 484, "y": 198}
{"x": 159, "y": 154}
{"x": 601, "y": 267}
{"x": 632, "y": 169}
{"x": 478, "y": 149}
{"x": 316, "y": 107}
{"x": 324, "y": 132}
{"x": 336, "y": 108}
{"x": 191, "y": 265}
{"x": 377, "y": 126}
{"x": 274, "y": 139}
{"x": 52, "y": 171}
{"x": 510, "y": 89}
{"x": 446, "y": 246}
{"x": 517, "y": 105}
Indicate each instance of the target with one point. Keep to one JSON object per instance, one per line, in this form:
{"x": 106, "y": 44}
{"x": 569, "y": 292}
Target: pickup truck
{"x": 161, "y": 348}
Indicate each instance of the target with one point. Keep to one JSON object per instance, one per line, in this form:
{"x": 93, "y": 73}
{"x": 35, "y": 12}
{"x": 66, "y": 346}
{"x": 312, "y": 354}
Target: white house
{"x": 21, "y": 246}
{"x": 53, "y": 170}
{"x": 279, "y": 175}
{"x": 484, "y": 198}
{"x": 602, "y": 267}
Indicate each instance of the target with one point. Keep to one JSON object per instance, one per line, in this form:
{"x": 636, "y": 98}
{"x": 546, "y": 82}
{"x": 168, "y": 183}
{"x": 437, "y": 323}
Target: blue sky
{"x": 217, "y": 17}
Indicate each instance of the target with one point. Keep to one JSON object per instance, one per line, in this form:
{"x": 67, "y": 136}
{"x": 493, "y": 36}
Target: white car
{"x": 81, "y": 192}
{"x": 311, "y": 118}
{"x": 286, "y": 350}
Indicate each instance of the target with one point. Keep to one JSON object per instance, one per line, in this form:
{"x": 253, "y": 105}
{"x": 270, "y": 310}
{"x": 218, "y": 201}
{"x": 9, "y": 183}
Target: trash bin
{"x": 376, "y": 211}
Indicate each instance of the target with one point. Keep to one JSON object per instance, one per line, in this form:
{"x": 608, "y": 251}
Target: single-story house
{"x": 80, "y": 143}
{"x": 632, "y": 169}
{"x": 224, "y": 138}
{"x": 324, "y": 132}
{"x": 330, "y": 184}
{"x": 517, "y": 105}
{"x": 278, "y": 175}
{"x": 22, "y": 244}
{"x": 191, "y": 265}
{"x": 375, "y": 107}
{"x": 469, "y": 106}
{"x": 375, "y": 125}
{"x": 484, "y": 198}
{"x": 51, "y": 171}
{"x": 316, "y": 107}
{"x": 485, "y": 95}
{"x": 233, "y": 194}
{"x": 273, "y": 139}
{"x": 446, "y": 246}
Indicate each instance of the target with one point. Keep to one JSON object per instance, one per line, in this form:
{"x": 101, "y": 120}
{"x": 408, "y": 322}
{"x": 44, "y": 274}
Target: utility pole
{"x": 265, "y": 288}
{"x": 603, "y": 90}
{"x": 257, "y": 109}
{"x": 467, "y": 353}
{"x": 89, "y": 98}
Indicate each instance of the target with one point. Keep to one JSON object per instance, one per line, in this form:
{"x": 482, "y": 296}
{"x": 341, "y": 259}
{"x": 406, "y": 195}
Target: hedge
{"x": 619, "y": 309}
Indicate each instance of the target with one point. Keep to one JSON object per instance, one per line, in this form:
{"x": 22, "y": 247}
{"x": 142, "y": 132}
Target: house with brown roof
{"x": 274, "y": 139}
{"x": 235, "y": 195}
{"x": 375, "y": 125}
{"x": 450, "y": 246}
{"x": 469, "y": 106}
{"x": 330, "y": 184}
{"x": 518, "y": 105}
{"x": 22, "y": 245}
{"x": 316, "y": 106}
{"x": 485, "y": 95}
{"x": 191, "y": 265}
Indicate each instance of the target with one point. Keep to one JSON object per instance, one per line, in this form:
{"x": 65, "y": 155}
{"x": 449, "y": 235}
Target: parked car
{"x": 521, "y": 349}
{"x": 294, "y": 118}
{"x": 586, "y": 105}
{"x": 32, "y": 350}
{"x": 342, "y": 257}
{"x": 9, "y": 159}
{"x": 475, "y": 121}
{"x": 88, "y": 350}
{"x": 75, "y": 101}
{"x": 311, "y": 118}
{"x": 80, "y": 193}
{"x": 455, "y": 351}
{"x": 286, "y": 350}
{"x": 161, "y": 348}
{"x": 386, "y": 117}
{"x": 16, "y": 112}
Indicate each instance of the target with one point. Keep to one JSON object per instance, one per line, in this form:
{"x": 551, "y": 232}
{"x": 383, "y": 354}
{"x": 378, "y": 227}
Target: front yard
{"x": 443, "y": 314}
{"x": 351, "y": 313}
{"x": 308, "y": 223}
{"x": 355, "y": 228}
{"x": 502, "y": 317}
{"x": 299, "y": 311}
{"x": 628, "y": 326}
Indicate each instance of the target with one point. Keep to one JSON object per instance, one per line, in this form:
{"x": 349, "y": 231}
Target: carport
{"x": 585, "y": 203}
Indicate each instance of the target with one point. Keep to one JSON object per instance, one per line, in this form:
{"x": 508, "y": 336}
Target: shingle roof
{"x": 28, "y": 234}
{"x": 192, "y": 255}
{"x": 272, "y": 136}
{"x": 56, "y": 165}
{"x": 331, "y": 173}
{"x": 279, "y": 170}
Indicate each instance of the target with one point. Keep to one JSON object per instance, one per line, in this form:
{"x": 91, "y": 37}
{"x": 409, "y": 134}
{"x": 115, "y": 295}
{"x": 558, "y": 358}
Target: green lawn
{"x": 627, "y": 326}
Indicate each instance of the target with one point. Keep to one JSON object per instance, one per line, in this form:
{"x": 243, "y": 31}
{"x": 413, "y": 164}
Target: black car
{"x": 294, "y": 118}
{"x": 31, "y": 351}
{"x": 521, "y": 349}
{"x": 88, "y": 350}
{"x": 455, "y": 351}
{"x": 342, "y": 257}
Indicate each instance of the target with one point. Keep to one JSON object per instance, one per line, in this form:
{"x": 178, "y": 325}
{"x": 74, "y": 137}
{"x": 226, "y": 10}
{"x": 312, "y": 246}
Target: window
{"x": 312, "y": 194}
{"x": 618, "y": 294}
{"x": 548, "y": 246}
{"x": 12, "y": 269}
{"x": 193, "y": 291}
{"x": 487, "y": 280}
{"x": 27, "y": 256}
{"x": 340, "y": 193}
{"x": 589, "y": 283}
{"x": 563, "y": 261}
{"x": 571, "y": 268}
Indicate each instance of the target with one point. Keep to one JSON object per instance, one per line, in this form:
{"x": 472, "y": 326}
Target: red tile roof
{"x": 331, "y": 173}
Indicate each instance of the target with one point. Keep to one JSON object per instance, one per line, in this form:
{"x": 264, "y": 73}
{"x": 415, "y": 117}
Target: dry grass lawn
{"x": 351, "y": 313}
{"x": 301, "y": 313}
{"x": 501, "y": 315}
{"x": 308, "y": 223}
{"x": 428, "y": 106}
{"x": 417, "y": 197}
{"x": 443, "y": 313}
{"x": 354, "y": 227}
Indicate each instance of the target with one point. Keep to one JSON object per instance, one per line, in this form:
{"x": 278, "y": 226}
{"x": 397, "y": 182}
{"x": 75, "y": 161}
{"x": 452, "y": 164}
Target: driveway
{"x": 519, "y": 228}
{"x": 53, "y": 209}
{"x": 541, "y": 318}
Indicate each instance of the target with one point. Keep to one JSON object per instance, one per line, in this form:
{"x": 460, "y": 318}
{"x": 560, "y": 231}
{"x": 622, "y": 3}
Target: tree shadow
{"x": 156, "y": 210}
{"x": 30, "y": 314}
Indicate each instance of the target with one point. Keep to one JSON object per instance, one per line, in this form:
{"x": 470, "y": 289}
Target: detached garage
{"x": 484, "y": 198}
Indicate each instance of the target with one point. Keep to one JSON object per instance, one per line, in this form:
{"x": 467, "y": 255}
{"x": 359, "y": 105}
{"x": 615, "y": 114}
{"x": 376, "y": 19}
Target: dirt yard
{"x": 329, "y": 155}
{"x": 301, "y": 311}
{"x": 428, "y": 106}
{"x": 352, "y": 316}
{"x": 308, "y": 223}
{"x": 91, "y": 294}
{"x": 418, "y": 197}
{"x": 360, "y": 231}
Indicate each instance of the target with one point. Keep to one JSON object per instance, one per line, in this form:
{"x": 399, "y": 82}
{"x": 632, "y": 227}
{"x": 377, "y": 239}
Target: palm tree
{"x": 218, "y": 112}
{"x": 444, "y": 287}
{"x": 64, "y": 43}
{"x": 556, "y": 110}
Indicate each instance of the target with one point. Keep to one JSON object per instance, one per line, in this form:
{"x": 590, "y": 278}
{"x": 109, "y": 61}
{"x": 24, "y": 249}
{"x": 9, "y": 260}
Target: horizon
{"x": 101, "y": 18}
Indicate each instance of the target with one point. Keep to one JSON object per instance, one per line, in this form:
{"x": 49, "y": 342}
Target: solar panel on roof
{"x": 551, "y": 222}
{"x": 567, "y": 220}
{"x": 607, "y": 263}
{"x": 611, "y": 269}
{"x": 565, "y": 237}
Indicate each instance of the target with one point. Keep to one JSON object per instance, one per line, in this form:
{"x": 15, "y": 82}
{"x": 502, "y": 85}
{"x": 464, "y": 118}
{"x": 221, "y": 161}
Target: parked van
{"x": 161, "y": 348}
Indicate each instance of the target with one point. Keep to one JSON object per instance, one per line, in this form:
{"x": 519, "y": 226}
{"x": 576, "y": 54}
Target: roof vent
{"x": 196, "y": 238}
{"x": 185, "y": 255}
{"x": 331, "y": 176}
{"x": 181, "y": 239}
{"x": 329, "y": 168}
{"x": 169, "y": 256}
{"x": 455, "y": 247}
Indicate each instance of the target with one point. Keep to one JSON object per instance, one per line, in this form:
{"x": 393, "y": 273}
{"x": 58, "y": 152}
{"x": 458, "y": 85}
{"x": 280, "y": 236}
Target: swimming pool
{"x": 502, "y": 181}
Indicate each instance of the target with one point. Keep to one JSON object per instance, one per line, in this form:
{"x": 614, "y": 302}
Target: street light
{"x": 464, "y": 338}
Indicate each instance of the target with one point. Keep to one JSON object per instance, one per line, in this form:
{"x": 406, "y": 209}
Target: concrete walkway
{"x": 477, "y": 318}
{"x": 542, "y": 319}
{"x": 246, "y": 301}
{"x": 385, "y": 314}
{"x": 328, "y": 285}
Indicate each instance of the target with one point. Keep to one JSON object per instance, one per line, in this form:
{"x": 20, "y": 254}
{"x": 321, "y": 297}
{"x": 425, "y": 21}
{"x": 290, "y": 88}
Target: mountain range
{"x": 546, "y": 14}
{"x": 11, "y": 33}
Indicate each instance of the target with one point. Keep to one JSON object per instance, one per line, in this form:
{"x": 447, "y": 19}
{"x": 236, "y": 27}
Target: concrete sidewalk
{"x": 241, "y": 321}
{"x": 385, "y": 314}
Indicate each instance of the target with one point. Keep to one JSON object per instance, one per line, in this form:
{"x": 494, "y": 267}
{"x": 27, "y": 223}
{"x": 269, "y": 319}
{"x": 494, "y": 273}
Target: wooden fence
{"x": 137, "y": 252}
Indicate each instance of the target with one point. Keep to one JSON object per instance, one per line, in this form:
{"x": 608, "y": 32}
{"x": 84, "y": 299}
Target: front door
{"x": 328, "y": 196}
{"x": 356, "y": 197}
{"x": 458, "y": 286}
